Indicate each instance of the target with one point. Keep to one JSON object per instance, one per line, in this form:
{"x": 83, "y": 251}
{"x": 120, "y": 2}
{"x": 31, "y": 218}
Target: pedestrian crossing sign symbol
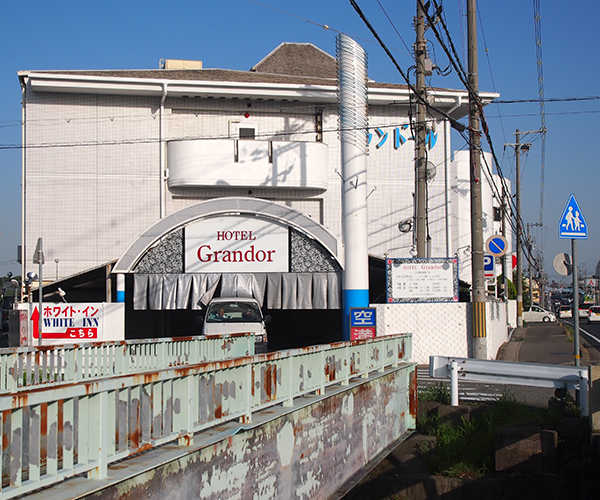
{"x": 572, "y": 224}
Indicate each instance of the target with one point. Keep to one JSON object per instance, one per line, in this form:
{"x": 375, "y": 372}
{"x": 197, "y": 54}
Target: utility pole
{"x": 519, "y": 236}
{"x": 420, "y": 153}
{"x": 519, "y": 284}
{"x": 505, "y": 265}
{"x": 478, "y": 285}
{"x": 530, "y": 246}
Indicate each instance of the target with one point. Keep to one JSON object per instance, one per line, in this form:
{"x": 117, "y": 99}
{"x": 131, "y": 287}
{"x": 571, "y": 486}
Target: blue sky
{"x": 236, "y": 34}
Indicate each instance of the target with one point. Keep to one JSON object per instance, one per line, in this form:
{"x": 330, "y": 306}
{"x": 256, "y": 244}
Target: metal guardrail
{"x": 52, "y": 433}
{"x": 24, "y": 368}
{"x": 505, "y": 372}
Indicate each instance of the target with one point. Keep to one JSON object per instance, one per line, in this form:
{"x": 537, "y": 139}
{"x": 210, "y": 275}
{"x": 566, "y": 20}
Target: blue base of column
{"x": 352, "y": 298}
{"x": 120, "y": 296}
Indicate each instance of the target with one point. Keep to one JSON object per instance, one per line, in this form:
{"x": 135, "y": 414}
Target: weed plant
{"x": 468, "y": 449}
{"x": 438, "y": 392}
{"x": 569, "y": 332}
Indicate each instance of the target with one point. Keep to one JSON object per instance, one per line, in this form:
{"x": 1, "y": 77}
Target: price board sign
{"x": 422, "y": 280}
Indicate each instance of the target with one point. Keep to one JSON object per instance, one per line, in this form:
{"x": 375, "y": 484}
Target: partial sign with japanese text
{"x": 362, "y": 323}
{"x": 422, "y": 280}
{"x": 62, "y": 323}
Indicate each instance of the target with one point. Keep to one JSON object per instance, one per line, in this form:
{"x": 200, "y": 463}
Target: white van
{"x": 237, "y": 315}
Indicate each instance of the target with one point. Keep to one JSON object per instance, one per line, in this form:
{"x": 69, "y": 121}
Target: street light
{"x": 31, "y": 277}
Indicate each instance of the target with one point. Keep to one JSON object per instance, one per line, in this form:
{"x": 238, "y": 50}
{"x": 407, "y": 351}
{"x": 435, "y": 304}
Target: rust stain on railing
{"x": 20, "y": 400}
{"x": 270, "y": 382}
{"x": 413, "y": 394}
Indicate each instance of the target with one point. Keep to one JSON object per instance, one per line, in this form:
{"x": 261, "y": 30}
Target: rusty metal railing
{"x": 55, "y": 432}
{"x": 30, "y": 367}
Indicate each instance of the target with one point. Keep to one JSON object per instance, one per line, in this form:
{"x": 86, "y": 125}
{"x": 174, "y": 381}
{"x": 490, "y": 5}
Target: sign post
{"x": 38, "y": 258}
{"x": 572, "y": 225}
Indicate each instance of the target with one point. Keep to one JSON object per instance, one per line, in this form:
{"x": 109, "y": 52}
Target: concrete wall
{"x": 512, "y": 313}
{"x": 442, "y": 329}
{"x": 496, "y": 327}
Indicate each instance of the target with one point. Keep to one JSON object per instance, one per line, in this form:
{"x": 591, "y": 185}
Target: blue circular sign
{"x": 496, "y": 245}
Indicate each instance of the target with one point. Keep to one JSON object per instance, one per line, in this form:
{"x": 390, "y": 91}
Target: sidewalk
{"x": 545, "y": 343}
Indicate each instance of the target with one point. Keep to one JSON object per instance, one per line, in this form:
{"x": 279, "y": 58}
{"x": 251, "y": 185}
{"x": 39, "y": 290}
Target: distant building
{"x": 137, "y": 166}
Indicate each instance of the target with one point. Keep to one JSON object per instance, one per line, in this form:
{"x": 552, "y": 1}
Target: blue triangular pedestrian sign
{"x": 572, "y": 224}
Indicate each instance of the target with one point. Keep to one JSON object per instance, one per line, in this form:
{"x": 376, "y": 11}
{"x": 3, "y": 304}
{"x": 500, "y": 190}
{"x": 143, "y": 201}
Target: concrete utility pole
{"x": 537, "y": 224}
{"x": 519, "y": 281}
{"x": 505, "y": 265}
{"x": 420, "y": 152}
{"x": 478, "y": 285}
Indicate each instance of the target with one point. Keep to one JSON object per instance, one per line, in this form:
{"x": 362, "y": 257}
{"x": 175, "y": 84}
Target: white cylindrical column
{"x": 352, "y": 97}
{"x": 454, "y": 383}
{"x": 120, "y": 288}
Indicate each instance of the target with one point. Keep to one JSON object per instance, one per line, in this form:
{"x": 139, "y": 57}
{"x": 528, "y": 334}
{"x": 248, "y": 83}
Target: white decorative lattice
{"x": 442, "y": 329}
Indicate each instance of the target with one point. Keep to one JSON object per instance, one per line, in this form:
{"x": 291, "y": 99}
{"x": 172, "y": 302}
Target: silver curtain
{"x": 278, "y": 290}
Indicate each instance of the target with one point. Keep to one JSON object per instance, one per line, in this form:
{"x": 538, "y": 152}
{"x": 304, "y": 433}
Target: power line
{"x": 394, "y": 26}
{"x": 487, "y": 55}
{"x": 454, "y": 123}
{"x": 562, "y": 113}
{"x": 324, "y": 26}
{"x": 455, "y": 61}
{"x": 540, "y": 68}
{"x": 148, "y": 140}
{"x": 553, "y": 99}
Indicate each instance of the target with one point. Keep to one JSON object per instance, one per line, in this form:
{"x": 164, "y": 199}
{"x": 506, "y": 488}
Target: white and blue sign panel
{"x": 572, "y": 224}
{"x": 362, "y": 316}
{"x": 362, "y": 323}
{"x": 488, "y": 266}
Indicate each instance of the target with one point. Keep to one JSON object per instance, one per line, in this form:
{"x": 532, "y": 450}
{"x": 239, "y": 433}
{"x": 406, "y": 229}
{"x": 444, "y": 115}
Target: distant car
{"x": 584, "y": 310}
{"x": 536, "y": 313}
{"x": 227, "y": 315}
{"x": 594, "y": 314}
{"x": 565, "y": 312}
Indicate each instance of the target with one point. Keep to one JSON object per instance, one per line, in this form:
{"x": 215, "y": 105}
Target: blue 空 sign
{"x": 362, "y": 316}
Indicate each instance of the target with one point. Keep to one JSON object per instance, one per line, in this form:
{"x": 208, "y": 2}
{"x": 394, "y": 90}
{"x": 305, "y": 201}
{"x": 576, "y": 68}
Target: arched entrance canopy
{"x": 223, "y": 206}
{"x": 161, "y": 282}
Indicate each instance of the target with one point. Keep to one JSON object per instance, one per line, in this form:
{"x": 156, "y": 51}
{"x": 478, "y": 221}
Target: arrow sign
{"x": 572, "y": 224}
{"x": 35, "y": 319}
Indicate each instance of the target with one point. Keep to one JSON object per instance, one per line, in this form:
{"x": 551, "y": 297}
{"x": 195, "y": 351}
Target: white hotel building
{"x": 133, "y": 166}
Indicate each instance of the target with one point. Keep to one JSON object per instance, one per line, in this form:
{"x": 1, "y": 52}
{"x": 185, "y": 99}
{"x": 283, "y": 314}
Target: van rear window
{"x": 233, "y": 312}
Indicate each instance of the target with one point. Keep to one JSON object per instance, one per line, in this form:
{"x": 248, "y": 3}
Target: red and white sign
{"x": 362, "y": 333}
{"x": 68, "y": 323}
{"x": 236, "y": 244}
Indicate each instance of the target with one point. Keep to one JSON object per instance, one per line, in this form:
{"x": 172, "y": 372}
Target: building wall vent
{"x": 180, "y": 64}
